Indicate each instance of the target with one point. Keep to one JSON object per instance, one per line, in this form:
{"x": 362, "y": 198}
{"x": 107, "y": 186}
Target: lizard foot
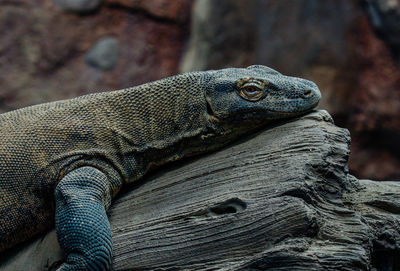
{"x": 82, "y": 226}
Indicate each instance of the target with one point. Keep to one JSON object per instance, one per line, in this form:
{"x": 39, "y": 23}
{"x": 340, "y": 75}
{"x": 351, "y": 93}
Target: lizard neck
{"x": 159, "y": 122}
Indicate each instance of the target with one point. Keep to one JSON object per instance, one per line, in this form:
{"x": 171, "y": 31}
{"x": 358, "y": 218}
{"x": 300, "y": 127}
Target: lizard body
{"x": 71, "y": 157}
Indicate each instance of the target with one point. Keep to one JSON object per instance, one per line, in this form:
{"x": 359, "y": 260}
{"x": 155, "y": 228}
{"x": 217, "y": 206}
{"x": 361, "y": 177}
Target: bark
{"x": 280, "y": 200}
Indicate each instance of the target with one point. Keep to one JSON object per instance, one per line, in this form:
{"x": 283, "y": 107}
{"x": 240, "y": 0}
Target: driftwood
{"x": 281, "y": 200}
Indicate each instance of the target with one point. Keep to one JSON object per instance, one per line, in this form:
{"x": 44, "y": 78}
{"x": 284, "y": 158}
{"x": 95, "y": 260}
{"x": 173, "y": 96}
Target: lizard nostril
{"x": 307, "y": 92}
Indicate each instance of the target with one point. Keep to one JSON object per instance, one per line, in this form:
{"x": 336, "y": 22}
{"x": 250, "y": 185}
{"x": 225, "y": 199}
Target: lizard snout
{"x": 309, "y": 90}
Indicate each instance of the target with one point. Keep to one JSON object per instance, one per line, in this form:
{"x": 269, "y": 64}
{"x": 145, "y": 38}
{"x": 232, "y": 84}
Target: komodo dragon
{"x": 64, "y": 161}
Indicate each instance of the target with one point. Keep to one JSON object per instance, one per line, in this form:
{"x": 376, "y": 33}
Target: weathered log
{"x": 280, "y": 200}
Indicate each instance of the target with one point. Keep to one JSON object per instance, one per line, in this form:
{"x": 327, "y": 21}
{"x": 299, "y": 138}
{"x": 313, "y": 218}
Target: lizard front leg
{"x": 82, "y": 226}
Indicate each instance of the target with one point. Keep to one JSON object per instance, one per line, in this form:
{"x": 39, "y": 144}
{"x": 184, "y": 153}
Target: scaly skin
{"x": 67, "y": 159}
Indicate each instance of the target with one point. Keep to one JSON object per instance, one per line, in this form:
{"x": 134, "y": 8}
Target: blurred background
{"x": 57, "y": 49}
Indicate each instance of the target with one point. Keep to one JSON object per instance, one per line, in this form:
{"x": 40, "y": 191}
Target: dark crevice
{"x": 388, "y": 206}
{"x": 298, "y": 193}
{"x": 385, "y": 259}
{"x": 230, "y": 206}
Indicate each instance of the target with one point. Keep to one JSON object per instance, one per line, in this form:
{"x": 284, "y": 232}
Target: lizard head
{"x": 257, "y": 94}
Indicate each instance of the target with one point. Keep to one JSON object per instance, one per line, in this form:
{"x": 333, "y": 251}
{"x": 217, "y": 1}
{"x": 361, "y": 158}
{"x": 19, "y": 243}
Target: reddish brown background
{"x": 350, "y": 48}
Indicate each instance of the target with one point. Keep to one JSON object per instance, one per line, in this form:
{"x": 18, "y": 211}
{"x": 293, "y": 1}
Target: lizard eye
{"x": 251, "y": 93}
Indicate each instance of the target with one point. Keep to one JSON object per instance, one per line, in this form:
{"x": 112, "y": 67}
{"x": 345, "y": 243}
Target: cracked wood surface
{"x": 281, "y": 199}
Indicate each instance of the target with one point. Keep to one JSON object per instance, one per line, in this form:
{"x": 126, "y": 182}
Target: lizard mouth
{"x": 256, "y": 114}
{"x": 290, "y": 112}
{"x": 262, "y": 112}
{"x": 296, "y": 112}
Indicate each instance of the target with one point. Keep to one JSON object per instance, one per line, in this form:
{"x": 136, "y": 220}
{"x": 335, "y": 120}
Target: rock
{"x": 104, "y": 54}
{"x": 278, "y": 200}
{"x": 80, "y": 6}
